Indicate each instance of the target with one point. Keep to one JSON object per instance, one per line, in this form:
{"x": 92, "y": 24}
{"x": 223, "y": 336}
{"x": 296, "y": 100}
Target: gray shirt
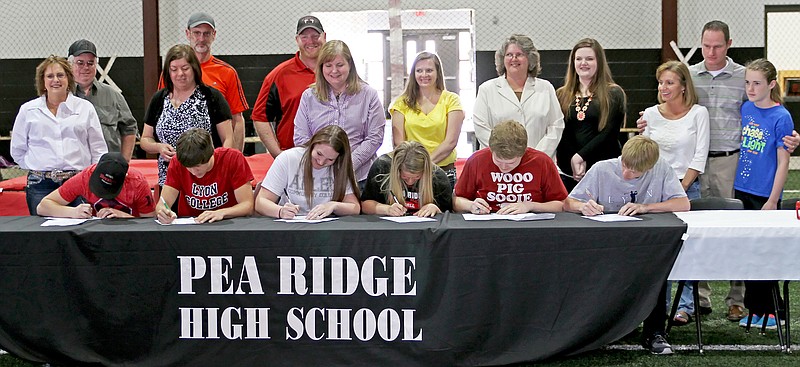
{"x": 723, "y": 96}
{"x": 604, "y": 181}
{"x": 112, "y": 109}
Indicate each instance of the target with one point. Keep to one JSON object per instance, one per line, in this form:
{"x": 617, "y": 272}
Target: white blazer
{"x": 538, "y": 110}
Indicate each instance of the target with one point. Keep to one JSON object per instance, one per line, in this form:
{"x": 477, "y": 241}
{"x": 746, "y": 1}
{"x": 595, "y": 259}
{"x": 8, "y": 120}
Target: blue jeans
{"x": 693, "y": 192}
{"x": 38, "y": 187}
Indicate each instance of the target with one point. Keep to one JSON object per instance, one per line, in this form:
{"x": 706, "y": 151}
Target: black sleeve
{"x": 273, "y": 106}
{"x": 372, "y": 190}
{"x": 154, "y": 109}
{"x": 442, "y": 191}
{"x": 218, "y": 109}
{"x": 609, "y": 136}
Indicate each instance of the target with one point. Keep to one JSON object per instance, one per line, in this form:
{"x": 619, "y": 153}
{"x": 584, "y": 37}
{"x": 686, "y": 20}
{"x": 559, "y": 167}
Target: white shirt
{"x": 538, "y": 111}
{"x": 683, "y": 143}
{"x": 286, "y": 173}
{"x": 70, "y": 140}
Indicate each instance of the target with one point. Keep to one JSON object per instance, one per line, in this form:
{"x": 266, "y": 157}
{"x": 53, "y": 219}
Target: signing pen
{"x": 165, "y": 204}
{"x": 589, "y": 194}
{"x": 287, "y": 196}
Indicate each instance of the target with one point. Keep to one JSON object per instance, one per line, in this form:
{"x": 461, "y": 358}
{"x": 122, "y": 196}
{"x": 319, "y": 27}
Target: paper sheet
{"x": 514, "y": 217}
{"x": 408, "y": 219}
{"x": 302, "y": 219}
{"x": 179, "y": 221}
{"x": 612, "y": 218}
{"x": 63, "y": 222}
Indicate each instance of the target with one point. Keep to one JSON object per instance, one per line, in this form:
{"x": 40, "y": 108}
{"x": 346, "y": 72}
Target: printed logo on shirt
{"x": 754, "y": 138}
{"x": 411, "y": 199}
{"x": 206, "y": 197}
{"x": 510, "y": 187}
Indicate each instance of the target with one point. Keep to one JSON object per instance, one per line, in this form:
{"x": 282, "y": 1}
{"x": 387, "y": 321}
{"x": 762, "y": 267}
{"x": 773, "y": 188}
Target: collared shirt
{"x": 722, "y": 95}
{"x": 112, "y": 109}
{"x": 70, "y": 140}
{"x": 360, "y": 115}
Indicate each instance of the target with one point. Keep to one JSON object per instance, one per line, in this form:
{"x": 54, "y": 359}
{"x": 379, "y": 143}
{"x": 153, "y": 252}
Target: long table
{"x": 355, "y": 291}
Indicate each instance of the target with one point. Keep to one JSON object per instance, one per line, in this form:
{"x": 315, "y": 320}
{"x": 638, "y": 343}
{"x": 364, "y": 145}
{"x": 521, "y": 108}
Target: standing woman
{"x": 594, "y": 110}
{"x": 518, "y": 95}
{"x": 183, "y": 104}
{"x": 340, "y": 97}
{"x": 56, "y": 135}
{"x": 315, "y": 180}
{"x": 428, "y": 113}
{"x": 407, "y": 181}
{"x": 680, "y": 127}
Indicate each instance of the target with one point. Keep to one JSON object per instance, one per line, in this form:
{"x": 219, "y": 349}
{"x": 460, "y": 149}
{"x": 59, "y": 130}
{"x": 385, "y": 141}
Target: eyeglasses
{"x": 517, "y": 55}
{"x": 205, "y": 34}
{"x": 81, "y": 63}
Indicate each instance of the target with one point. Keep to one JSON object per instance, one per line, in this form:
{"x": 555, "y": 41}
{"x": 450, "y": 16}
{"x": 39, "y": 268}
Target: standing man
{"x": 280, "y": 93}
{"x": 119, "y": 126}
{"x": 201, "y": 32}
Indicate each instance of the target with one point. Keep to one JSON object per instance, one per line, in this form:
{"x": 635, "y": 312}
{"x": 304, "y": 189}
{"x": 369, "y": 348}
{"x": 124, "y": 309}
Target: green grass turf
{"x": 717, "y": 331}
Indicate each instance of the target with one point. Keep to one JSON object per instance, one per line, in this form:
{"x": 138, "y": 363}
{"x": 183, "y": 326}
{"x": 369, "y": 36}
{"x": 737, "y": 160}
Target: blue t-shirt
{"x": 763, "y": 130}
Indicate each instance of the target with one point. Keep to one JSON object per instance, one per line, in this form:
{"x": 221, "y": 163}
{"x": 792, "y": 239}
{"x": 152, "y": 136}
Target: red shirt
{"x": 279, "y": 97}
{"x": 535, "y": 179}
{"x": 135, "y": 197}
{"x": 215, "y": 190}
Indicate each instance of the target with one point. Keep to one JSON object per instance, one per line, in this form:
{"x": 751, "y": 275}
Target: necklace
{"x": 581, "y": 110}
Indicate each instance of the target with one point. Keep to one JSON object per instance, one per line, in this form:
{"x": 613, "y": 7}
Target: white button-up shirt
{"x": 70, "y": 140}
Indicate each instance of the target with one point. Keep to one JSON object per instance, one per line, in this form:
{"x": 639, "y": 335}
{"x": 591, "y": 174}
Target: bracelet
{"x": 279, "y": 212}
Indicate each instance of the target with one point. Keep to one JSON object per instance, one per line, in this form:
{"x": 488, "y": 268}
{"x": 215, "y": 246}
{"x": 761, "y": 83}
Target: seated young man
{"x": 107, "y": 189}
{"x": 508, "y": 177}
{"x": 209, "y": 184}
{"x": 637, "y": 182}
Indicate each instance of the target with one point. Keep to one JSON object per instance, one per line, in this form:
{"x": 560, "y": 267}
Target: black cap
{"x": 80, "y": 47}
{"x": 109, "y": 175}
{"x": 309, "y": 21}
{"x": 200, "y": 18}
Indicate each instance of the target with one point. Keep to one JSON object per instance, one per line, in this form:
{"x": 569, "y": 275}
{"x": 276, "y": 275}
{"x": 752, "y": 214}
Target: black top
{"x": 582, "y": 137}
{"x": 442, "y": 191}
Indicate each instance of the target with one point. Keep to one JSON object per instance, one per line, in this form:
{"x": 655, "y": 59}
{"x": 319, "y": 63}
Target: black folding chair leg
{"x": 775, "y": 307}
{"x": 675, "y": 301}
{"x": 788, "y": 318}
{"x": 695, "y": 298}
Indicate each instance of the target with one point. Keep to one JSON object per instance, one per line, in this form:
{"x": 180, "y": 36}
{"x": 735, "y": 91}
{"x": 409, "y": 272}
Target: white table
{"x": 739, "y": 244}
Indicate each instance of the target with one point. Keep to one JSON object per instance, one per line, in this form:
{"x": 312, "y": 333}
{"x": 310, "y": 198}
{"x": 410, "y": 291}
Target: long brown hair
{"x": 411, "y": 94}
{"x": 600, "y": 87}
{"x": 411, "y": 157}
{"x": 327, "y": 53}
{"x": 343, "y": 175}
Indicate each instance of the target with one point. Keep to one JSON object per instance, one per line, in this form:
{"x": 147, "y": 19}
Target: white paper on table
{"x": 514, "y": 217}
{"x": 178, "y": 221}
{"x": 408, "y": 219}
{"x": 63, "y": 222}
{"x": 612, "y": 218}
{"x": 302, "y": 219}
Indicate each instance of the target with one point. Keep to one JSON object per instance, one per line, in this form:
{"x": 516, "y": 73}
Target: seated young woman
{"x": 315, "y": 180}
{"x": 407, "y": 182}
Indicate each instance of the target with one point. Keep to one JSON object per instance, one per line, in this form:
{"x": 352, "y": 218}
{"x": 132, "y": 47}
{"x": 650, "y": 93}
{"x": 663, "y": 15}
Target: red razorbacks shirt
{"x": 215, "y": 190}
{"x": 135, "y": 197}
{"x": 535, "y": 179}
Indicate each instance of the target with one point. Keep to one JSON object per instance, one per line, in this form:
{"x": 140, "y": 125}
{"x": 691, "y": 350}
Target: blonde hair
{"x": 640, "y": 153}
{"x": 771, "y": 74}
{"x": 508, "y": 140}
{"x": 411, "y": 157}
{"x": 327, "y": 53}
{"x": 682, "y": 71}
{"x": 600, "y": 87}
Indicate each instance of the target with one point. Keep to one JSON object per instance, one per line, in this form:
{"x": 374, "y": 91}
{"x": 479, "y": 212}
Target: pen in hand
{"x": 402, "y": 207}
{"x": 170, "y": 215}
{"x": 289, "y": 206}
